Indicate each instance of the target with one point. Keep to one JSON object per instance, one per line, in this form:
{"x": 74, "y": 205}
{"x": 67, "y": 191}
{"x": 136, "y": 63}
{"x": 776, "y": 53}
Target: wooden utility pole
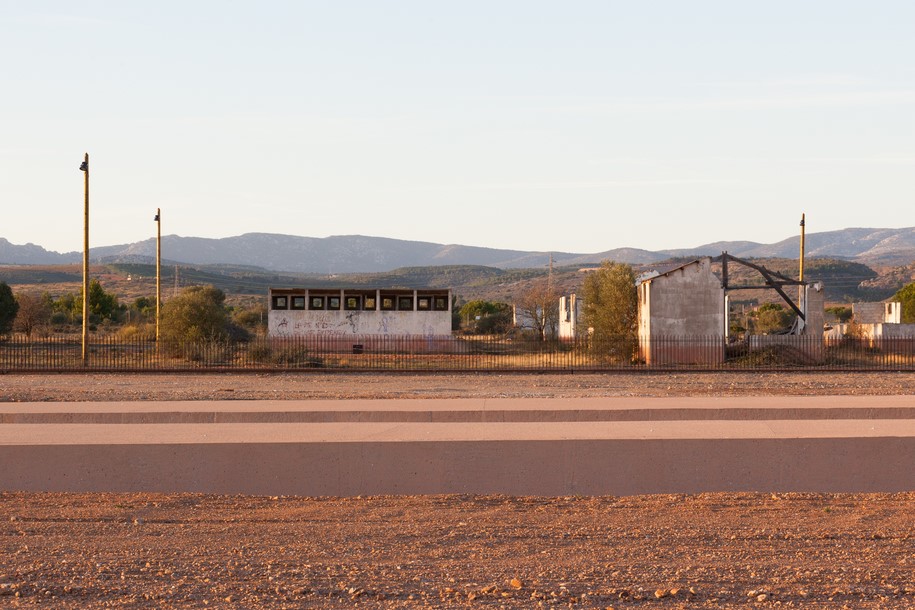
{"x": 801, "y": 274}
{"x": 85, "y": 169}
{"x": 158, "y": 220}
{"x": 802, "y": 289}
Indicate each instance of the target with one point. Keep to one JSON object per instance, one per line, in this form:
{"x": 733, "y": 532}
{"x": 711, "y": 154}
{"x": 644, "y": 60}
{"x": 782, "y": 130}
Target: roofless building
{"x": 343, "y": 312}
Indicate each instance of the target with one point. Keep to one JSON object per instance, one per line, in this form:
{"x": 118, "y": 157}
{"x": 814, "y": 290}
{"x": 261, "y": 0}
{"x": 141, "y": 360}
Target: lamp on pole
{"x": 84, "y": 167}
{"x": 158, "y": 220}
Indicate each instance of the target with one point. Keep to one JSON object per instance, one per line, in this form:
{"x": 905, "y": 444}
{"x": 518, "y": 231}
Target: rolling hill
{"x": 363, "y": 254}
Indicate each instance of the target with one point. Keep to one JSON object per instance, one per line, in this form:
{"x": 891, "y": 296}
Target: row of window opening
{"x": 360, "y": 303}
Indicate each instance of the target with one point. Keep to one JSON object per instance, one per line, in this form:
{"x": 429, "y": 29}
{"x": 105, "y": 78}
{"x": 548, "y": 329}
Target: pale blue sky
{"x": 564, "y": 126}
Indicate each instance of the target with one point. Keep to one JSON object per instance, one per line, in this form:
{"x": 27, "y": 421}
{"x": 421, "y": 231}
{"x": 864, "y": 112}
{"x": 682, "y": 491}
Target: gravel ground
{"x": 702, "y": 551}
{"x": 297, "y": 386}
{"x": 683, "y": 551}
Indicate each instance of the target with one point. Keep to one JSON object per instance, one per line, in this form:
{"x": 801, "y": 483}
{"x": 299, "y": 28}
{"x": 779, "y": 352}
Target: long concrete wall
{"x": 536, "y": 447}
{"x": 288, "y": 323}
{"x": 546, "y": 467}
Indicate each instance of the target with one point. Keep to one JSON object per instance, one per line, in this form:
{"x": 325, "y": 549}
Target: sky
{"x": 576, "y": 126}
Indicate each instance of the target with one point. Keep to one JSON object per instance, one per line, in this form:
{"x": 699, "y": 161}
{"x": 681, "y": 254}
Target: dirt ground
{"x": 298, "y": 386}
{"x": 685, "y": 551}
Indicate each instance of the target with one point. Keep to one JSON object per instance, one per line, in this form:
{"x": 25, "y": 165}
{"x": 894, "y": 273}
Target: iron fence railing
{"x": 458, "y": 353}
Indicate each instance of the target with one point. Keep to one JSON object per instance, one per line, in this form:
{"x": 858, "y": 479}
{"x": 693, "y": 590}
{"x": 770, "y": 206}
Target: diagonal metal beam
{"x": 774, "y": 280}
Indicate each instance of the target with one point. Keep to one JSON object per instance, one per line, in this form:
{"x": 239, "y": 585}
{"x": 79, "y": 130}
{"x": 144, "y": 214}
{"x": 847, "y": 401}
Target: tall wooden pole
{"x": 802, "y": 289}
{"x": 158, "y": 271}
{"x": 801, "y": 275}
{"x": 85, "y": 168}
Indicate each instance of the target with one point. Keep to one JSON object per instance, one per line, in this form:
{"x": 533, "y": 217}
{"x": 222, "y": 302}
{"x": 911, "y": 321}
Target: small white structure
{"x": 873, "y": 332}
{"x": 301, "y": 312}
{"x": 569, "y": 315}
{"x": 877, "y": 313}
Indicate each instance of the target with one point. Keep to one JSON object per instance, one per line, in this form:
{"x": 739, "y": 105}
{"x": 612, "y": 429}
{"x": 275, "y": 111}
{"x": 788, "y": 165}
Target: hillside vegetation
{"x": 845, "y": 281}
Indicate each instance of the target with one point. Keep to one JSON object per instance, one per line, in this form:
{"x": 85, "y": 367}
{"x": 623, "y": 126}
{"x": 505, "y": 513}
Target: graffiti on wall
{"x": 339, "y": 323}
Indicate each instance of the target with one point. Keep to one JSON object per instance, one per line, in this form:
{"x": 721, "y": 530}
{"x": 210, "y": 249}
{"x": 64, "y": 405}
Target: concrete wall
{"x": 334, "y": 323}
{"x": 659, "y": 351}
{"x": 874, "y": 332}
{"x": 681, "y": 316}
{"x": 877, "y": 313}
{"x": 808, "y": 348}
{"x": 287, "y": 322}
{"x": 526, "y": 446}
{"x": 894, "y": 331}
{"x": 569, "y": 314}
{"x": 815, "y": 309}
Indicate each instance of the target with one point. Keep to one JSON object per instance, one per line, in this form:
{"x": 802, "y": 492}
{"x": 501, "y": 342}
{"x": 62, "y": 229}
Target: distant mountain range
{"x": 361, "y": 254}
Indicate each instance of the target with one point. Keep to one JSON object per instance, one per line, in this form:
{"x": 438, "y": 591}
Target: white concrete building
{"x": 302, "y": 312}
{"x": 682, "y": 316}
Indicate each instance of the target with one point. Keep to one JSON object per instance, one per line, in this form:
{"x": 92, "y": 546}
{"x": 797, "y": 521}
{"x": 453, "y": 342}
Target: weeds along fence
{"x": 457, "y": 353}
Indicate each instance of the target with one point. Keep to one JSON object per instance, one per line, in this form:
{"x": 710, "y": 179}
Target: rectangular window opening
{"x": 351, "y": 303}
{"x": 405, "y": 303}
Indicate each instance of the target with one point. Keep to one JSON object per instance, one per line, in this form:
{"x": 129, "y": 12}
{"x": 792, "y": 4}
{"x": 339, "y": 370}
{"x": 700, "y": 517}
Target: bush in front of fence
{"x": 281, "y": 353}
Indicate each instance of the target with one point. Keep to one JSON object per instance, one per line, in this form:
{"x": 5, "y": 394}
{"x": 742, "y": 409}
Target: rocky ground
{"x": 685, "y": 551}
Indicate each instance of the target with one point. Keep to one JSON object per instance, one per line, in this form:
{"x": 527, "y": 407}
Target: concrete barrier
{"x": 615, "y": 446}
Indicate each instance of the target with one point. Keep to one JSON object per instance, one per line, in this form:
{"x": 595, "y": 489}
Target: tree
{"x": 906, "y": 297}
{"x": 102, "y": 305}
{"x": 538, "y": 305}
{"x": 611, "y": 303}
{"x": 842, "y": 314}
{"x": 252, "y": 317}
{"x": 482, "y": 316}
{"x": 67, "y": 308}
{"x": 197, "y": 315}
{"x": 611, "y": 308}
{"x": 773, "y": 318}
{"x": 8, "y": 308}
{"x": 142, "y": 308}
{"x": 33, "y": 313}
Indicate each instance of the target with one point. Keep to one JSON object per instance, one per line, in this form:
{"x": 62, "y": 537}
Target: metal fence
{"x": 458, "y": 353}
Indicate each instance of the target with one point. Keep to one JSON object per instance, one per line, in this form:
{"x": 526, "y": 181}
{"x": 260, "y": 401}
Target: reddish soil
{"x": 684, "y": 551}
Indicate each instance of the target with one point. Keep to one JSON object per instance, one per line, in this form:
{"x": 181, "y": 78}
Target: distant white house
{"x": 877, "y": 313}
{"x": 875, "y": 322}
